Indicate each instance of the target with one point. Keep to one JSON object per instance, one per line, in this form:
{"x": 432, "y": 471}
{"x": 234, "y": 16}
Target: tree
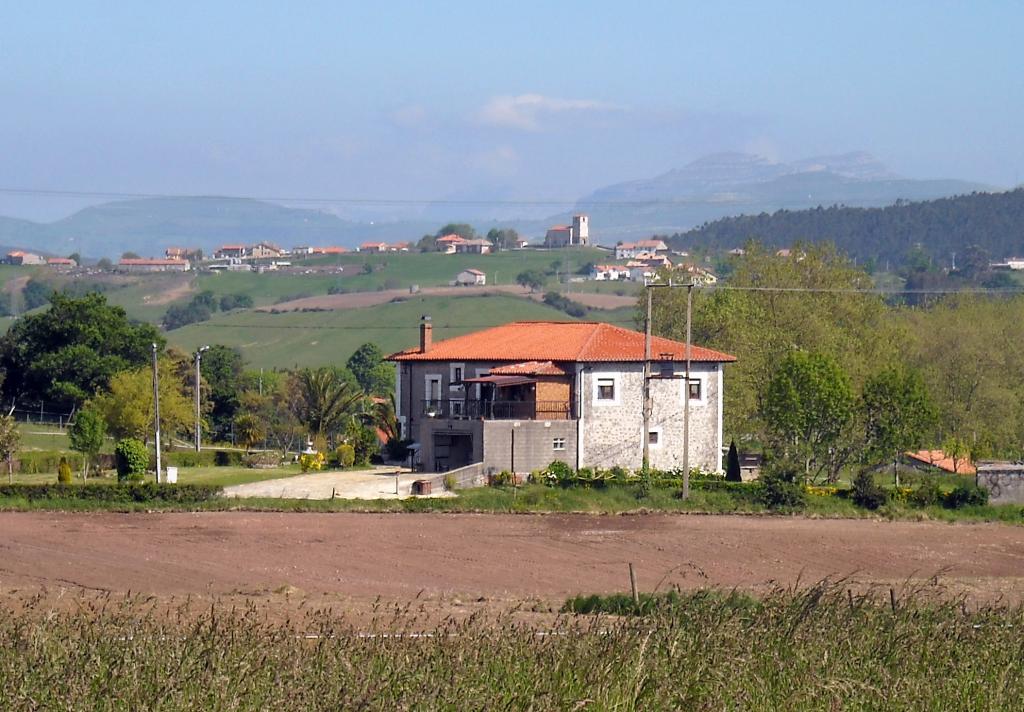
{"x": 898, "y": 413}
{"x": 249, "y": 430}
{"x": 104, "y": 264}
{"x": 325, "y": 399}
{"x": 86, "y": 435}
{"x": 221, "y": 369}
{"x": 732, "y": 466}
{"x": 530, "y": 278}
{"x": 808, "y": 406}
{"x": 127, "y": 405}
{"x": 129, "y": 255}
{"x": 36, "y": 294}
{"x": 65, "y": 355}
{"x": 267, "y": 398}
{"x": 503, "y": 238}
{"x": 463, "y": 230}
{"x": 374, "y": 375}
{"x": 10, "y": 440}
{"x": 76, "y": 258}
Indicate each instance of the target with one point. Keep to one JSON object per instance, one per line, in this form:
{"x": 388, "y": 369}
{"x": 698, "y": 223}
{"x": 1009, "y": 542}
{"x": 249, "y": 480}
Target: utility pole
{"x": 156, "y": 409}
{"x": 686, "y": 397}
{"x": 199, "y": 419}
{"x": 647, "y": 384}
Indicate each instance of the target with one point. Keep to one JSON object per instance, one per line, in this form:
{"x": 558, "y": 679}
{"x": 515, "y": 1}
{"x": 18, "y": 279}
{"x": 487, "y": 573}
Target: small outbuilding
{"x": 470, "y": 278}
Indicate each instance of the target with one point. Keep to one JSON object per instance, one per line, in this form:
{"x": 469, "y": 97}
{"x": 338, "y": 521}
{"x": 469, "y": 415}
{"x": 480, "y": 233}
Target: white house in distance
{"x": 470, "y": 278}
{"x": 609, "y": 273}
{"x": 518, "y": 396}
{"x": 629, "y": 250}
{"x": 136, "y": 265}
{"x": 20, "y": 257}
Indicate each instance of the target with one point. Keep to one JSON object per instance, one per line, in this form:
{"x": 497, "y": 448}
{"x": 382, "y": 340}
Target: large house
{"x": 474, "y": 247}
{"x": 629, "y": 250}
{"x": 20, "y": 257}
{"x": 517, "y": 397}
{"x": 575, "y": 235}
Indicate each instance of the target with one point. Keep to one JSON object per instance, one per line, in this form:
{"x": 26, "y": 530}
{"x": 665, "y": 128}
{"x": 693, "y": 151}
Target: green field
{"x": 316, "y": 338}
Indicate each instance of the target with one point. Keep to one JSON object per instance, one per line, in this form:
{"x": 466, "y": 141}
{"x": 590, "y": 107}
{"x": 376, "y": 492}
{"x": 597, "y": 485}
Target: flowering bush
{"x": 312, "y": 461}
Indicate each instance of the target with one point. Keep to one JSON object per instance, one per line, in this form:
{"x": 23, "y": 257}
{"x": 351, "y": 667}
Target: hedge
{"x": 123, "y": 492}
{"x": 203, "y": 458}
{"x": 34, "y": 462}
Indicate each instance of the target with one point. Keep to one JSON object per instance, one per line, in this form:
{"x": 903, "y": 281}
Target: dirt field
{"x": 356, "y": 300}
{"x": 489, "y": 561}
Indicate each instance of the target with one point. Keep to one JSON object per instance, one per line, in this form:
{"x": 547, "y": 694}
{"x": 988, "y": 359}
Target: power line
{"x": 854, "y": 290}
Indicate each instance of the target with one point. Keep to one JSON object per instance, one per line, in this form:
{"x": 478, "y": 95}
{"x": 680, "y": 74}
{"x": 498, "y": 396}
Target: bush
{"x": 64, "y": 472}
{"x": 558, "y": 472}
{"x": 928, "y": 494}
{"x": 501, "y": 479}
{"x": 191, "y": 458}
{"x": 122, "y": 492}
{"x": 265, "y": 459}
{"x": 35, "y": 462}
{"x": 228, "y": 458}
{"x": 966, "y": 496}
{"x": 345, "y": 455}
{"x": 867, "y": 493}
{"x": 132, "y": 459}
{"x": 780, "y": 488}
{"x": 312, "y": 462}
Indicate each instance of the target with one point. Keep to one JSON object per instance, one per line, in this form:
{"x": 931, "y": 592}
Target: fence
{"x": 43, "y": 414}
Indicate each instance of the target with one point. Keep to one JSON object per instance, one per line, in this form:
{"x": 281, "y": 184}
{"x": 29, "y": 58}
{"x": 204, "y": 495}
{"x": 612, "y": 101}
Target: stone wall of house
{"x": 613, "y": 432}
{"x": 1003, "y": 480}
{"x": 534, "y": 444}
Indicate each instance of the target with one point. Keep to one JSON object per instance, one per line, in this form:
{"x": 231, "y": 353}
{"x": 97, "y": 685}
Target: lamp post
{"x": 156, "y": 409}
{"x": 199, "y": 421}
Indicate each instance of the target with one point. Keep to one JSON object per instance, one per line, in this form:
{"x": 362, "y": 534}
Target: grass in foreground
{"x": 813, "y": 649}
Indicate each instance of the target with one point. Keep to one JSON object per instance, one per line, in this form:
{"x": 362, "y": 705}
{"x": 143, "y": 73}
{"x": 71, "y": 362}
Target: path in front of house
{"x": 378, "y": 483}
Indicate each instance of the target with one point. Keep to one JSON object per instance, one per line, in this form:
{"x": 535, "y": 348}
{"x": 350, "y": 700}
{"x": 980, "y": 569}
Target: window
{"x": 457, "y": 374}
{"x": 695, "y": 389}
{"x": 606, "y": 389}
{"x": 558, "y": 444}
{"x": 652, "y": 437}
{"x": 455, "y": 407}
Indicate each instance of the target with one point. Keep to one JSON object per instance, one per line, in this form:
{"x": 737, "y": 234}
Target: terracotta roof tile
{"x": 530, "y": 368}
{"x": 939, "y": 459}
{"x": 573, "y": 341}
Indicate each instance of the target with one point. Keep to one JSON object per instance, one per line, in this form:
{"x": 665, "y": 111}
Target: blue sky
{"x": 530, "y": 100}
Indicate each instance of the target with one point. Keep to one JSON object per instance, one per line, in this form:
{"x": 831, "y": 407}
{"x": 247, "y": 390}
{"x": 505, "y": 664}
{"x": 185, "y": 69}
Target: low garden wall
{"x": 1003, "y": 480}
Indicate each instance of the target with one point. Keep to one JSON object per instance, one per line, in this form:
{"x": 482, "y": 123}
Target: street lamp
{"x": 199, "y": 422}
{"x": 156, "y": 408}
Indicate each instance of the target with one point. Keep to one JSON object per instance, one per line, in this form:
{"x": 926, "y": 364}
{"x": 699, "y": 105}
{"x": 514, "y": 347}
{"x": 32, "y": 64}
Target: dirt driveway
{"x": 399, "y": 557}
{"x": 378, "y": 483}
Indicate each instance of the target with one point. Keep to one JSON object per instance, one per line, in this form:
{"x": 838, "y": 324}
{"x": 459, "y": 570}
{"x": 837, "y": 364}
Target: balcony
{"x": 472, "y": 409}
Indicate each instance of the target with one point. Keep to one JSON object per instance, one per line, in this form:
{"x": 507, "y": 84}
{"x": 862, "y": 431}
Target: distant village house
{"x": 470, "y": 278}
{"x": 141, "y": 265}
{"x": 575, "y": 235}
{"x": 19, "y": 257}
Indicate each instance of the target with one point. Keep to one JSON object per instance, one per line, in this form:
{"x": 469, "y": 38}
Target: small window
{"x": 695, "y": 393}
{"x": 558, "y": 444}
{"x": 456, "y": 408}
{"x": 606, "y": 389}
{"x": 457, "y": 375}
{"x": 652, "y": 437}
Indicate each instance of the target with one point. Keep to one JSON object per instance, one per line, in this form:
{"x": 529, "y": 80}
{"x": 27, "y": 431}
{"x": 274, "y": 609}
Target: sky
{"x": 523, "y": 101}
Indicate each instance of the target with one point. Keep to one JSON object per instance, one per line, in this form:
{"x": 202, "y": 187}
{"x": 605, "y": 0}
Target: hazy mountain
{"x": 728, "y": 184}
{"x": 148, "y": 226}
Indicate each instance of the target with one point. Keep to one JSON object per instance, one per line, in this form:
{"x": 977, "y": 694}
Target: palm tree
{"x": 324, "y": 400}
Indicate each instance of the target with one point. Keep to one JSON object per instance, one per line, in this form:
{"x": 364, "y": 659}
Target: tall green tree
{"x": 127, "y": 405}
{"x": 374, "y": 375}
{"x": 65, "y": 354}
{"x": 808, "y": 407}
{"x": 222, "y": 369}
{"x": 86, "y": 435}
{"x": 530, "y": 278}
{"x": 463, "y": 230}
{"x": 10, "y": 440}
{"x": 898, "y": 414}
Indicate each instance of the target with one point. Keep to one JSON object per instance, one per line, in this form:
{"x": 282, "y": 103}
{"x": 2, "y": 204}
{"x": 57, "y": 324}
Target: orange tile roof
{"x": 451, "y": 238}
{"x": 939, "y": 459}
{"x": 574, "y": 341}
{"x": 529, "y": 368}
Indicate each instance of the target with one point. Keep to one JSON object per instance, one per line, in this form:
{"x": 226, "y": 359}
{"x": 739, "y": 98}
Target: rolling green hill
{"x": 316, "y": 338}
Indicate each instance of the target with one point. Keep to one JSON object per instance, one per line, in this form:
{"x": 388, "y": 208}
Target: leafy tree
{"x": 77, "y": 258}
{"x": 132, "y": 459}
{"x": 266, "y": 397}
{"x": 36, "y": 294}
{"x": 808, "y": 406}
{"x": 325, "y": 400}
{"x": 66, "y": 354}
{"x": 86, "y": 435}
{"x": 463, "y": 230}
{"x": 374, "y": 375}
{"x": 129, "y": 255}
{"x": 427, "y": 243}
{"x": 530, "y": 278}
{"x": 503, "y": 238}
{"x": 898, "y": 413}
{"x": 127, "y": 406}
{"x": 732, "y": 466}
{"x": 104, "y": 264}
{"x": 10, "y": 440}
{"x": 236, "y": 301}
{"x": 179, "y": 315}
{"x": 222, "y": 369}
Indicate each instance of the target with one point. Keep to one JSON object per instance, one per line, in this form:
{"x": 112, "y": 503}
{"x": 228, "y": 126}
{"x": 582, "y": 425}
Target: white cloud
{"x": 526, "y": 110}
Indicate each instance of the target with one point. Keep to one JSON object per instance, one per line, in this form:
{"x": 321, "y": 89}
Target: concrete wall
{"x": 1003, "y": 480}
{"x": 613, "y": 431}
{"x": 534, "y": 444}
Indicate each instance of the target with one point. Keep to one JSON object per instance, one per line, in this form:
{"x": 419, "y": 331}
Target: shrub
{"x": 64, "y": 472}
{"x": 191, "y": 458}
{"x": 780, "y": 487}
{"x": 398, "y": 449}
{"x": 227, "y": 458}
{"x": 132, "y": 459}
{"x": 312, "y": 462}
{"x": 558, "y": 472}
{"x": 928, "y": 494}
{"x": 122, "y": 492}
{"x": 867, "y": 493}
{"x": 345, "y": 454}
{"x": 450, "y": 482}
{"x": 732, "y": 466}
{"x": 966, "y": 496}
{"x": 502, "y": 479}
{"x": 264, "y": 459}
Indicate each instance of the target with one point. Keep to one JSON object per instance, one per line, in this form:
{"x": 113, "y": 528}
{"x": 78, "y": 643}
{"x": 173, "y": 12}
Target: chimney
{"x": 426, "y": 334}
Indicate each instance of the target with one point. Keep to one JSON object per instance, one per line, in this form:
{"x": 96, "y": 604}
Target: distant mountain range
{"x": 716, "y": 186}
{"x": 730, "y": 184}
